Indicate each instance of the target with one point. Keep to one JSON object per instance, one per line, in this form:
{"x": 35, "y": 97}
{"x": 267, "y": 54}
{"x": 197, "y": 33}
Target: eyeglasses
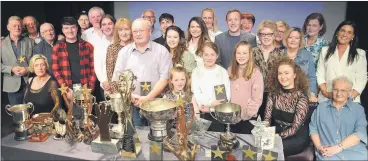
{"x": 148, "y": 17}
{"x": 139, "y": 31}
{"x": 266, "y": 34}
{"x": 344, "y": 92}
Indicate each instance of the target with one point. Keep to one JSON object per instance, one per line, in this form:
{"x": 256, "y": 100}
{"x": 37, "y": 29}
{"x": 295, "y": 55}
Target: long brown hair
{"x": 234, "y": 67}
{"x": 301, "y": 80}
{"x": 187, "y": 90}
{"x": 204, "y": 36}
{"x": 181, "y": 48}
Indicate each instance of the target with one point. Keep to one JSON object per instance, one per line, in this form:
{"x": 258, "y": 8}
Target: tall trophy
{"x": 103, "y": 143}
{"x": 159, "y": 111}
{"x": 131, "y": 146}
{"x": 227, "y": 113}
{"x": 20, "y": 115}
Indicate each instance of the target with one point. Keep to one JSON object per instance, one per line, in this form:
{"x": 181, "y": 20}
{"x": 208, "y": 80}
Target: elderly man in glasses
{"x": 338, "y": 126}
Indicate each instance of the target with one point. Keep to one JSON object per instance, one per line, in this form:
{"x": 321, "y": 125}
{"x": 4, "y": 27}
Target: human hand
{"x": 69, "y": 93}
{"x": 327, "y": 94}
{"x": 216, "y": 102}
{"x": 313, "y": 99}
{"x": 331, "y": 151}
{"x": 141, "y": 100}
{"x": 16, "y": 70}
{"x": 23, "y": 71}
{"x": 203, "y": 108}
{"x": 106, "y": 86}
{"x": 61, "y": 37}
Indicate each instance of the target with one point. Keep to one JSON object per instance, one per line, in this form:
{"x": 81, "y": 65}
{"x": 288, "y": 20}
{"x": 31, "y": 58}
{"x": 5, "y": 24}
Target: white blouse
{"x": 213, "y": 34}
{"x": 356, "y": 72}
{"x": 204, "y": 80}
{"x": 193, "y": 48}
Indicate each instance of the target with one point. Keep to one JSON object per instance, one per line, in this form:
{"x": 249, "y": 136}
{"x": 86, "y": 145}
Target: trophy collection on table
{"x": 182, "y": 140}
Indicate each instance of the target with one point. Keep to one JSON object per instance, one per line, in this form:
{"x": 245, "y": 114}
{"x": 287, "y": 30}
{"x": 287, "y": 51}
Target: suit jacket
{"x": 226, "y": 49}
{"x": 332, "y": 68}
{"x": 12, "y": 82}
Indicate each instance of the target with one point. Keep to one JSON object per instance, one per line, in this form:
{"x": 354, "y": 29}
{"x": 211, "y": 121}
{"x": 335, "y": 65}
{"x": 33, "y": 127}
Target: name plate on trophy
{"x": 250, "y": 153}
{"x": 218, "y": 153}
{"x": 220, "y": 92}
{"x": 156, "y": 150}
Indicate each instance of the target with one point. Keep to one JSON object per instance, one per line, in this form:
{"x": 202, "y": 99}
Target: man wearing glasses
{"x": 150, "y": 16}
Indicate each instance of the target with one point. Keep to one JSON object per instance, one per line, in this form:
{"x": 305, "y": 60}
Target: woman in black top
{"x": 287, "y": 105}
{"x": 42, "y": 90}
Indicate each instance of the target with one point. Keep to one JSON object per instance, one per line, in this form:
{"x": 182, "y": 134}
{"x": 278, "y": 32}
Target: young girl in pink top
{"x": 246, "y": 84}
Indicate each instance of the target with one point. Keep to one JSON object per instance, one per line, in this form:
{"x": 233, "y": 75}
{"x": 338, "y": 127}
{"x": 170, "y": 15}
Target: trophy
{"x": 159, "y": 111}
{"x": 103, "y": 143}
{"x": 117, "y": 130}
{"x": 227, "y": 113}
{"x": 121, "y": 103}
{"x": 20, "y": 115}
{"x": 42, "y": 126}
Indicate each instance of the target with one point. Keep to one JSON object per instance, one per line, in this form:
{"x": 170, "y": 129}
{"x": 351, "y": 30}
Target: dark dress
{"x": 42, "y": 99}
{"x": 288, "y": 112}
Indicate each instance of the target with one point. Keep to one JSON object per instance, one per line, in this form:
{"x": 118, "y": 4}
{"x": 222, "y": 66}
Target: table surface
{"x": 83, "y": 151}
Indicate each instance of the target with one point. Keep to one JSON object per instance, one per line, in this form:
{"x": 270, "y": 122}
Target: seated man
{"x": 338, "y": 126}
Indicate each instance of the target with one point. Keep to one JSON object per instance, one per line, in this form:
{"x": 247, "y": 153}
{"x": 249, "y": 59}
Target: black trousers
{"x": 297, "y": 143}
{"x": 261, "y": 110}
{"x": 243, "y": 127}
{"x": 215, "y": 126}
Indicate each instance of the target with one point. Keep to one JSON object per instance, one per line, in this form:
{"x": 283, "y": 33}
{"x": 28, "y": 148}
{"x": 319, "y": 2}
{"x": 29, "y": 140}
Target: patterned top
{"x": 333, "y": 126}
{"x": 111, "y": 56}
{"x": 61, "y": 66}
{"x": 188, "y": 107}
{"x": 263, "y": 66}
{"x": 288, "y": 109}
{"x": 188, "y": 61}
{"x": 316, "y": 48}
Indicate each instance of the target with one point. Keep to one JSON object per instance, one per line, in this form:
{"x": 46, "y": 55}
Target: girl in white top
{"x": 204, "y": 81}
{"x": 342, "y": 57}
{"x": 197, "y": 36}
{"x": 100, "y": 49}
{"x": 209, "y": 17}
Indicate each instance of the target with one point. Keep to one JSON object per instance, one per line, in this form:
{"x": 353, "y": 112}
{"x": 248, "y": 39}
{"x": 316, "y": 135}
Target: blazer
{"x": 12, "y": 82}
{"x": 332, "y": 68}
{"x": 226, "y": 49}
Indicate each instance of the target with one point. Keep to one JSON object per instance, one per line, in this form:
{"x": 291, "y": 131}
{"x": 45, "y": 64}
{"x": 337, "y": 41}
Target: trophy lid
{"x": 158, "y": 104}
{"x": 227, "y": 108}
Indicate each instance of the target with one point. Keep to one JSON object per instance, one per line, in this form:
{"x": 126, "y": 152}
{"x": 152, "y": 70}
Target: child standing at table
{"x": 210, "y": 85}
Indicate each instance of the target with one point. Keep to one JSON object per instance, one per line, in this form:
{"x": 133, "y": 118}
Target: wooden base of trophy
{"x": 105, "y": 147}
{"x": 38, "y": 137}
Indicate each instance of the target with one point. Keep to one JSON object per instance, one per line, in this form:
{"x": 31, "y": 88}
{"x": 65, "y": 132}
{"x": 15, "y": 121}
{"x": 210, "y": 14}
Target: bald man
{"x": 149, "y": 61}
{"x": 150, "y": 16}
{"x": 30, "y": 24}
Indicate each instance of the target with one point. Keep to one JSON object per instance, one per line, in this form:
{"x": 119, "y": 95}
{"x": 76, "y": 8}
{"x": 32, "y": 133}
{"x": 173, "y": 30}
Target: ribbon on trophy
{"x": 220, "y": 92}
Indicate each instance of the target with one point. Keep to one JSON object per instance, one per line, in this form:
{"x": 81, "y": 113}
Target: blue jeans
{"x": 139, "y": 120}
{"x": 17, "y": 97}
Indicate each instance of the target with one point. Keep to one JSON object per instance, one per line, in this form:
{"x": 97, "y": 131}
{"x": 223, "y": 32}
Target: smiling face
{"x": 242, "y": 55}
{"x": 345, "y": 34}
{"x": 209, "y": 57}
{"x": 195, "y": 30}
{"x": 30, "y": 24}
{"x": 125, "y": 33}
{"x": 95, "y": 18}
{"x": 178, "y": 81}
{"x": 164, "y": 24}
{"x": 172, "y": 39}
{"x": 70, "y": 31}
{"x": 280, "y": 33}
{"x": 208, "y": 18}
{"x": 40, "y": 67}
{"x": 313, "y": 28}
{"x": 141, "y": 31}
{"x": 233, "y": 22}
{"x": 266, "y": 36}
{"x": 340, "y": 91}
{"x": 293, "y": 41}
{"x": 286, "y": 76}
{"x": 107, "y": 27}
{"x": 47, "y": 32}
{"x": 15, "y": 27}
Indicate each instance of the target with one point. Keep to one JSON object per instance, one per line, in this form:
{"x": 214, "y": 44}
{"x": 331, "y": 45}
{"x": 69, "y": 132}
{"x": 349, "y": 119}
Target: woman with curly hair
{"x": 287, "y": 105}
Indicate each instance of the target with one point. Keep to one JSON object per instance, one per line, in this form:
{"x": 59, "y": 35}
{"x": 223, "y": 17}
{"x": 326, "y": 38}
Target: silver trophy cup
{"x": 20, "y": 114}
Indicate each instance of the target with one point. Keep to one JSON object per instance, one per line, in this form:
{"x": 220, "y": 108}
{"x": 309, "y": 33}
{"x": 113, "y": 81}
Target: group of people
{"x": 277, "y": 72}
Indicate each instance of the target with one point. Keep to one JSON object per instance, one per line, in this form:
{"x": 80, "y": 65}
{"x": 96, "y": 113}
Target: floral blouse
{"x": 316, "y": 48}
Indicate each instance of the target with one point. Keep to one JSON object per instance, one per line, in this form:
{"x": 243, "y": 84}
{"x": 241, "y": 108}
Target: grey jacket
{"x": 226, "y": 49}
{"x": 11, "y": 81}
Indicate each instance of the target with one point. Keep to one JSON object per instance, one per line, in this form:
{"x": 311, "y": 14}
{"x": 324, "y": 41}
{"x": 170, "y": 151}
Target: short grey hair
{"x": 17, "y": 18}
{"x": 52, "y": 26}
{"x": 343, "y": 78}
{"x": 142, "y": 20}
{"x": 96, "y": 8}
{"x": 150, "y": 10}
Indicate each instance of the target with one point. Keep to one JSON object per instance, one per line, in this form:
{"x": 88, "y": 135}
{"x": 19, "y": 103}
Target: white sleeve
{"x": 360, "y": 78}
{"x": 196, "y": 88}
{"x": 321, "y": 69}
{"x": 98, "y": 63}
{"x": 226, "y": 82}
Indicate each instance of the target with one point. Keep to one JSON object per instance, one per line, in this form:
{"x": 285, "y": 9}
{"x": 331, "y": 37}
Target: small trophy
{"x": 103, "y": 143}
{"x": 227, "y": 113}
{"x": 264, "y": 136}
{"x": 20, "y": 116}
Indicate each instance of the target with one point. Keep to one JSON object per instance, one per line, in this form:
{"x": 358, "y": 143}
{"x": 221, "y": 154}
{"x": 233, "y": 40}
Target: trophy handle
{"x": 7, "y": 110}
{"x": 93, "y": 99}
{"x": 31, "y": 106}
{"x": 213, "y": 110}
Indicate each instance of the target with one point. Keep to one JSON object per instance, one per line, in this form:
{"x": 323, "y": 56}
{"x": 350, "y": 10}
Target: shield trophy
{"x": 227, "y": 113}
{"x": 159, "y": 111}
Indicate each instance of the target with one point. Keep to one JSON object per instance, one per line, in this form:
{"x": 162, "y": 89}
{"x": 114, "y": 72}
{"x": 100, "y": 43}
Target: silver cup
{"x": 117, "y": 131}
{"x": 227, "y": 113}
{"x": 20, "y": 114}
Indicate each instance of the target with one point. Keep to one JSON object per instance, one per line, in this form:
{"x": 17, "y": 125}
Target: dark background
{"x": 53, "y": 12}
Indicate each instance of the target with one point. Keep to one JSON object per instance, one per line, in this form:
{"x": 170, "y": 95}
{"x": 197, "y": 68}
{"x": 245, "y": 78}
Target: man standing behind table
{"x": 149, "y": 61}
{"x": 149, "y": 15}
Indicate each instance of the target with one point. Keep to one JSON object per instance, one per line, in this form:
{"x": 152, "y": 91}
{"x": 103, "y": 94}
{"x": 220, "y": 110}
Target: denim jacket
{"x": 305, "y": 60}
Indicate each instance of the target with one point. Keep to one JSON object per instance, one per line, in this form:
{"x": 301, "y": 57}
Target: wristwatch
{"x": 340, "y": 145}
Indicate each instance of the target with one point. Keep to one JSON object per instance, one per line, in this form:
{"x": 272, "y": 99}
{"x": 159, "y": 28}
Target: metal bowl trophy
{"x": 227, "y": 113}
{"x": 20, "y": 116}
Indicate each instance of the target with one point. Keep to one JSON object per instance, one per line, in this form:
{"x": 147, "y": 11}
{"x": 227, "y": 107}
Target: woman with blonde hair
{"x": 209, "y": 17}
{"x": 282, "y": 27}
{"x": 122, "y": 37}
{"x": 246, "y": 86}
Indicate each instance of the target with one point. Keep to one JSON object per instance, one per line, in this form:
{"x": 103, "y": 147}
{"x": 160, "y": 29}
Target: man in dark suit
{"x": 16, "y": 52}
{"x": 227, "y": 40}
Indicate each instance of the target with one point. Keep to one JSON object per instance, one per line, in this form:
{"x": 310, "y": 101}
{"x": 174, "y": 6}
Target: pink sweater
{"x": 248, "y": 94}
